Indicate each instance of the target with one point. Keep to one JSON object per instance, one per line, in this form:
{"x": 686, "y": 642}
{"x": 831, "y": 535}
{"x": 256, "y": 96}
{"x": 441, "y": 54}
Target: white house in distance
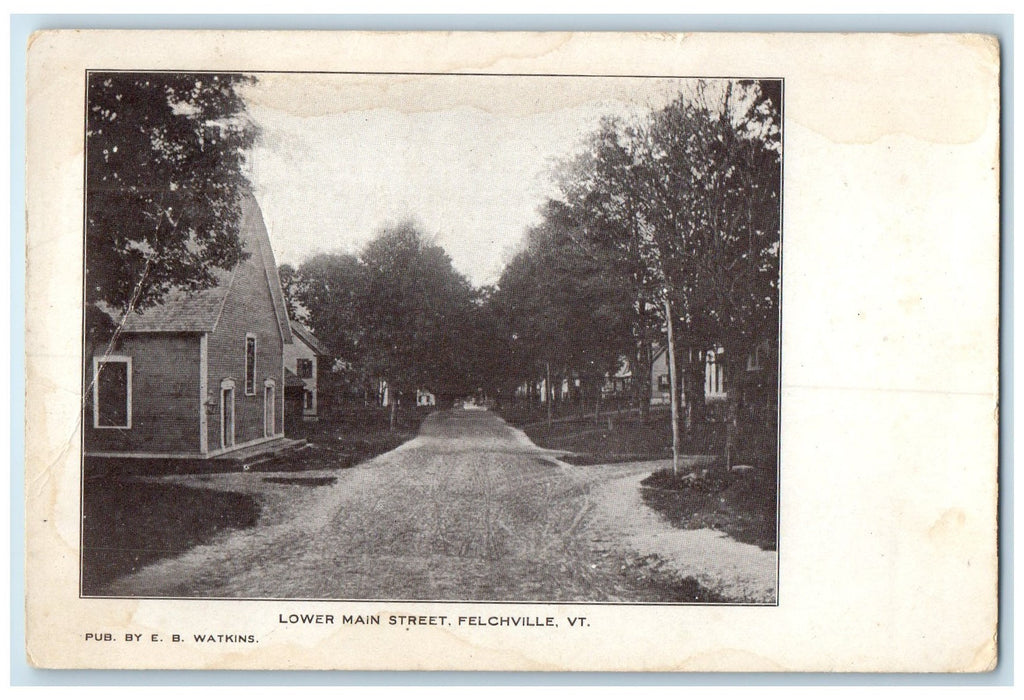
{"x": 714, "y": 375}
{"x": 303, "y": 358}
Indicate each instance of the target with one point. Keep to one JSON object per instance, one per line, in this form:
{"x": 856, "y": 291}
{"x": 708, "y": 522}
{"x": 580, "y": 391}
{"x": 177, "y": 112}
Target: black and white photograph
{"x": 431, "y": 337}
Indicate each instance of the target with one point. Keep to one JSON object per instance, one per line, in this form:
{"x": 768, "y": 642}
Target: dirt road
{"x": 469, "y": 510}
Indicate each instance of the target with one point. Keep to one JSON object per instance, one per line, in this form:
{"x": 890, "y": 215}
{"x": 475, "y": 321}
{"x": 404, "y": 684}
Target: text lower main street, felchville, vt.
{"x": 410, "y": 621}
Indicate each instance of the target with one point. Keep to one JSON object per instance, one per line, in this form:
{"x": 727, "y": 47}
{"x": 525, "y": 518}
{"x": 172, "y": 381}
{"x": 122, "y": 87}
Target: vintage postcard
{"x": 484, "y": 351}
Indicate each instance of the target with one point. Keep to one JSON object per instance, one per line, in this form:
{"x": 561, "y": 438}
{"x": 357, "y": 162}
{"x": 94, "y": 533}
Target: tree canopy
{"x": 681, "y": 205}
{"x": 679, "y": 208}
{"x": 397, "y": 312}
{"x": 165, "y": 157}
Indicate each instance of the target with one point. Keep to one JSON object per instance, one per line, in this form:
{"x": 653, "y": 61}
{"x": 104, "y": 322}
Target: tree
{"x": 331, "y": 290}
{"x": 417, "y": 306}
{"x": 398, "y": 312}
{"x": 165, "y": 155}
{"x": 603, "y": 196}
{"x": 711, "y": 168}
{"x": 565, "y": 305}
{"x": 289, "y": 277}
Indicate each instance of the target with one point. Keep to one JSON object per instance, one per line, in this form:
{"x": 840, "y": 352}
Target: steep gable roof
{"x": 185, "y": 312}
{"x": 180, "y": 311}
{"x": 307, "y": 337}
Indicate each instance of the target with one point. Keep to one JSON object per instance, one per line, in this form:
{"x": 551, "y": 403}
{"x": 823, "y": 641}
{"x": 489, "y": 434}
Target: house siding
{"x": 248, "y": 309}
{"x": 292, "y": 354}
{"x": 165, "y": 396}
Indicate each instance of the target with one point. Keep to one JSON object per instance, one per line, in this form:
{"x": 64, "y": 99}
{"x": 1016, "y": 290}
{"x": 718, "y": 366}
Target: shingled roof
{"x": 306, "y": 336}
{"x": 292, "y": 380}
{"x": 199, "y": 312}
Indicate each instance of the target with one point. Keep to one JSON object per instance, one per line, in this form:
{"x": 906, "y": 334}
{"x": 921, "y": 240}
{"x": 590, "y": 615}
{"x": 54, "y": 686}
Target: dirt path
{"x": 469, "y": 510}
{"x": 736, "y": 571}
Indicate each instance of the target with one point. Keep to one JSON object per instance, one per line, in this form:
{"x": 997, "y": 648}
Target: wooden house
{"x": 755, "y": 382}
{"x": 201, "y": 374}
{"x": 304, "y": 358}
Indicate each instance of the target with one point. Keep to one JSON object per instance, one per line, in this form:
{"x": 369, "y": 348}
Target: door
{"x": 227, "y": 417}
{"x": 269, "y": 405}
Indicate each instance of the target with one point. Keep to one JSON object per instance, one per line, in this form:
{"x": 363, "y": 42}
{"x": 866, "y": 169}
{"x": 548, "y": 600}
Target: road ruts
{"x": 468, "y": 510}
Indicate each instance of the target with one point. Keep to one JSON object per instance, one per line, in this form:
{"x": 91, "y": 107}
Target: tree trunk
{"x": 693, "y": 389}
{"x": 673, "y": 388}
{"x": 393, "y": 400}
{"x": 548, "y": 394}
{"x": 642, "y": 381}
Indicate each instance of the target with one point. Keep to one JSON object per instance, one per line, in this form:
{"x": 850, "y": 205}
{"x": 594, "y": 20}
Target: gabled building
{"x": 305, "y": 358}
{"x": 201, "y": 374}
{"x": 714, "y": 373}
{"x": 619, "y": 384}
{"x": 754, "y": 384}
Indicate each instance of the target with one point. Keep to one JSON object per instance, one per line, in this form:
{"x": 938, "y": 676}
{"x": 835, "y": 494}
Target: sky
{"x": 469, "y": 158}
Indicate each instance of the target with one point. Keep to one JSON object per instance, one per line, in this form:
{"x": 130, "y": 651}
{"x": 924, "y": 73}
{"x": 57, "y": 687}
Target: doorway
{"x": 269, "y": 406}
{"x": 227, "y": 416}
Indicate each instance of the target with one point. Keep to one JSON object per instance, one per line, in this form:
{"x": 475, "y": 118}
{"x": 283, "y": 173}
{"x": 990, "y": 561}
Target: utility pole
{"x": 673, "y": 386}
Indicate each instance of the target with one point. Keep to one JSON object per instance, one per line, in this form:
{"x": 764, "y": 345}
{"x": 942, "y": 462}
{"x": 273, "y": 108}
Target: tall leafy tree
{"x": 417, "y": 305}
{"x": 397, "y": 312}
{"x": 603, "y": 196}
{"x": 711, "y": 168}
{"x": 289, "y": 277}
{"x": 330, "y": 289}
{"x": 164, "y": 172}
{"x": 566, "y": 305}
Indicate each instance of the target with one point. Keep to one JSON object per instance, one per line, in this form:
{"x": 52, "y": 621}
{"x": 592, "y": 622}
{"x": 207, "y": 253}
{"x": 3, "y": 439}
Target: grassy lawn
{"x": 350, "y": 436}
{"x": 130, "y": 522}
{"x": 623, "y": 437}
{"x": 742, "y": 504}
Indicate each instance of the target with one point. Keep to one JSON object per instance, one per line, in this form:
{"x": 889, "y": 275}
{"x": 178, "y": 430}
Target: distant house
{"x": 754, "y": 384}
{"x": 619, "y": 384}
{"x": 201, "y": 374}
{"x": 758, "y": 387}
{"x": 304, "y": 358}
{"x": 424, "y": 397}
{"x": 714, "y": 374}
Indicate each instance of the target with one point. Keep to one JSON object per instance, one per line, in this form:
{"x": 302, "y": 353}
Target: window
{"x": 305, "y": 368}
{"x": 758, "y": 358}
{"x": 307, "y": 400}
{"x": 112, "y": 392}
{"x": 250, "y": 365}
{"x": 663, "y": 382}
{"x": 714, "y": 373}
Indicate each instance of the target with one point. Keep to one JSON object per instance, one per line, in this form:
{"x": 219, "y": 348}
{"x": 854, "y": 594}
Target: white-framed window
{"x": 112, "y": 391}
{"x": 250, "y": 364}
{"x": 307, "y": 400}
{"x": 714, "y": 373}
